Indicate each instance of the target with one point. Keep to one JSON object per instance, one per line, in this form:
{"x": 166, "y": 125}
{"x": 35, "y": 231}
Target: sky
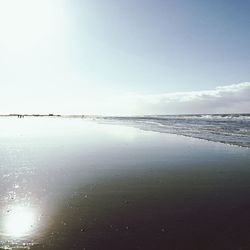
{"x": 117, "y": 57}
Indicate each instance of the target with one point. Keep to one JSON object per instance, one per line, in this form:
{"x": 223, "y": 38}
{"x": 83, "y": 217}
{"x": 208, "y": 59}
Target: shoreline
{"x": 97, "y": 186}
{"x": 153, "y": 124}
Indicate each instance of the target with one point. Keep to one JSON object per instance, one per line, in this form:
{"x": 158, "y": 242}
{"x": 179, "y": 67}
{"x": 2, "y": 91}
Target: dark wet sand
{"x": 167, "y": 210}
{"x": 131, "y": 189}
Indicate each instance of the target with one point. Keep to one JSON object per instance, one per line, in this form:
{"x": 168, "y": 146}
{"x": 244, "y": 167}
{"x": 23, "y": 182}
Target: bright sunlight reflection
{"x": 19, "y": 221}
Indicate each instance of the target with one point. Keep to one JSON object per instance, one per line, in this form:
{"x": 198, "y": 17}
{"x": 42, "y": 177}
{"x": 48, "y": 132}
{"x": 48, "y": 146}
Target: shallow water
{"x": 233, "y": 129}
{"x": 77, "y": 184}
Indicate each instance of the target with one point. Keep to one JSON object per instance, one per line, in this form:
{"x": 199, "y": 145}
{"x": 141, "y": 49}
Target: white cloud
{"x": 233, "y": 98}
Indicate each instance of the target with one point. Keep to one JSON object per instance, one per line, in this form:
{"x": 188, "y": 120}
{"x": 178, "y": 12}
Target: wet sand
{"x": 95, "y": 186}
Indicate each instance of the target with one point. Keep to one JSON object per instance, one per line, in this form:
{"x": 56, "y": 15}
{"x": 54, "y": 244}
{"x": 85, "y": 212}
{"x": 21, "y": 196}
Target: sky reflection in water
{"x": 69, "y": 181}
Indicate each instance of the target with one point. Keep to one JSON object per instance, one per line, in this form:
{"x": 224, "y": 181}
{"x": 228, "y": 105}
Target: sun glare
{"x": 23, "y": 23}
{"x": 20, "y": 221}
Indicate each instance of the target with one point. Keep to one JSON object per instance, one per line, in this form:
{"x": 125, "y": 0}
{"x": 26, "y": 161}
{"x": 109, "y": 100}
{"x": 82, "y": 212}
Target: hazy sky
{"x": 124, "y": 56}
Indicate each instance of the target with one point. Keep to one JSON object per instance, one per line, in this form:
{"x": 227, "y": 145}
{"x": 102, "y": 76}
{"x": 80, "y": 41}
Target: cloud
{"x": 233, "y": 98}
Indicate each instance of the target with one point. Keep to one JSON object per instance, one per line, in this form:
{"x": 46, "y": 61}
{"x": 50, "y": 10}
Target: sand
{"x": 96, "y": 186}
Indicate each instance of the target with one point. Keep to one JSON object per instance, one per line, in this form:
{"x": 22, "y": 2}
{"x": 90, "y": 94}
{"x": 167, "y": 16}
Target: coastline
{"x": 99, "y": 186}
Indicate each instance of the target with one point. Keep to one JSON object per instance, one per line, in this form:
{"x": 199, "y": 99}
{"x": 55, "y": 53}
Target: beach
{"x": 82, "y": 184}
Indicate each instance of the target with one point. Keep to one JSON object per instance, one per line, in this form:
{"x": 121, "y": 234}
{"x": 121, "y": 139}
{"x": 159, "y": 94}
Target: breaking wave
{"x": 226, "y": 128}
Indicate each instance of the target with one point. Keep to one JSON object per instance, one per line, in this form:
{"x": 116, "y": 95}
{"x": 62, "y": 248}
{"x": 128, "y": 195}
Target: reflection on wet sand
{"x": 19, "y": 221}
{"x": 20, "y": 216}
{"x": 154, "y": 211}
{"x": 19, "y": 224}
{"x": 88, "y": 188}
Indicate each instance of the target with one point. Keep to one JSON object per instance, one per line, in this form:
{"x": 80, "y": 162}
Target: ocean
{"x": 225, "y": 128}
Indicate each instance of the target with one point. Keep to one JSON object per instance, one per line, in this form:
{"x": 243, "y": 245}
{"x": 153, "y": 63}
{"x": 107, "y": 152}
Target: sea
{"x": 231, "y": 129}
